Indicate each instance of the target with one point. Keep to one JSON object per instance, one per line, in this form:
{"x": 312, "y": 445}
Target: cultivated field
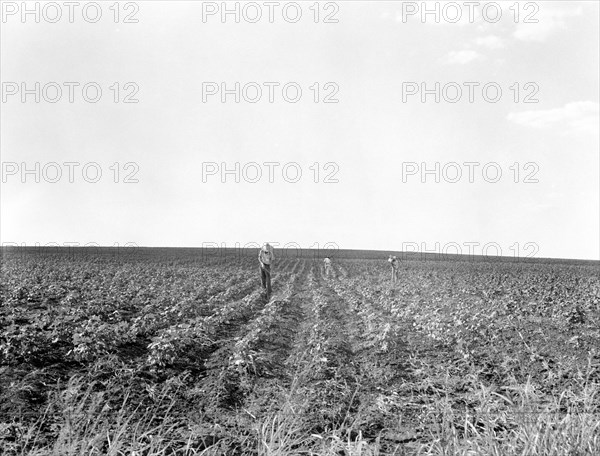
{"x": 171, "y": 351}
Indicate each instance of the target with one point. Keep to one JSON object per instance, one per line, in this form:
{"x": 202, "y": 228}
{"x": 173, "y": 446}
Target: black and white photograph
{"x": 318, "y": 228}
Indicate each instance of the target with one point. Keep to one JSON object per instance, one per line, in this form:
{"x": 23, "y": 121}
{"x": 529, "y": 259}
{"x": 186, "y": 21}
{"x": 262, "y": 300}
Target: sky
{"x": 505, "y": 161}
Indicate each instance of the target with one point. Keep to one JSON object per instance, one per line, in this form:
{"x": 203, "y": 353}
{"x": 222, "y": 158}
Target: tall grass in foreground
{"x": 87, "y": 425}
{"x": 528, "y": 423}
{"x": 547, "y": 434}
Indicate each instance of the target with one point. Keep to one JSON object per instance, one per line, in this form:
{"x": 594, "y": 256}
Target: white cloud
{"x": 550, "y": 19}
{"x": 490, "y": 41}
{"x": 461, "y": 57}
{"x": 579, "y": 117}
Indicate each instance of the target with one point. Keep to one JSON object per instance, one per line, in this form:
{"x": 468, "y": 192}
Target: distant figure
{"x": 266, "y": 256}
{"x": 395, "y": 264}
{"x": 328, "y": 268}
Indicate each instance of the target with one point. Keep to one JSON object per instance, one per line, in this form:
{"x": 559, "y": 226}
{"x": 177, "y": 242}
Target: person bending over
{"x": 395, "y": 264}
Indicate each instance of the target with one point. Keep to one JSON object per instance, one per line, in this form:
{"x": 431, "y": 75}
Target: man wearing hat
{"x": 265, "y": 258}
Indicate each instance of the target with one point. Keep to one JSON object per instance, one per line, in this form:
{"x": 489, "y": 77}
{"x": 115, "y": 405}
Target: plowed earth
{"x": 192, "y": 346}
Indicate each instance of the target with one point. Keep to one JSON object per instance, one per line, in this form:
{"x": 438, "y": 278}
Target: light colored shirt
{"x": 266, "y": 255}
{"x": 327, "y": 262}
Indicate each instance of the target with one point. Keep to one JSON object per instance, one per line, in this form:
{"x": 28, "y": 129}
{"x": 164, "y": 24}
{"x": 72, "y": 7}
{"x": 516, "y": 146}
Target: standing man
{"x": 265, "y": 258}
{"x": 395, "y": 263}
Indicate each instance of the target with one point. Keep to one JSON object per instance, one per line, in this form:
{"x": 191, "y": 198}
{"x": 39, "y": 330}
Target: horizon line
{"x": 240, "y": 248}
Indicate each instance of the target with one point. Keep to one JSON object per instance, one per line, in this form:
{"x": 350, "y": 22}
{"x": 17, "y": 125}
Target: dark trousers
{"x": 265, "y": 277}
